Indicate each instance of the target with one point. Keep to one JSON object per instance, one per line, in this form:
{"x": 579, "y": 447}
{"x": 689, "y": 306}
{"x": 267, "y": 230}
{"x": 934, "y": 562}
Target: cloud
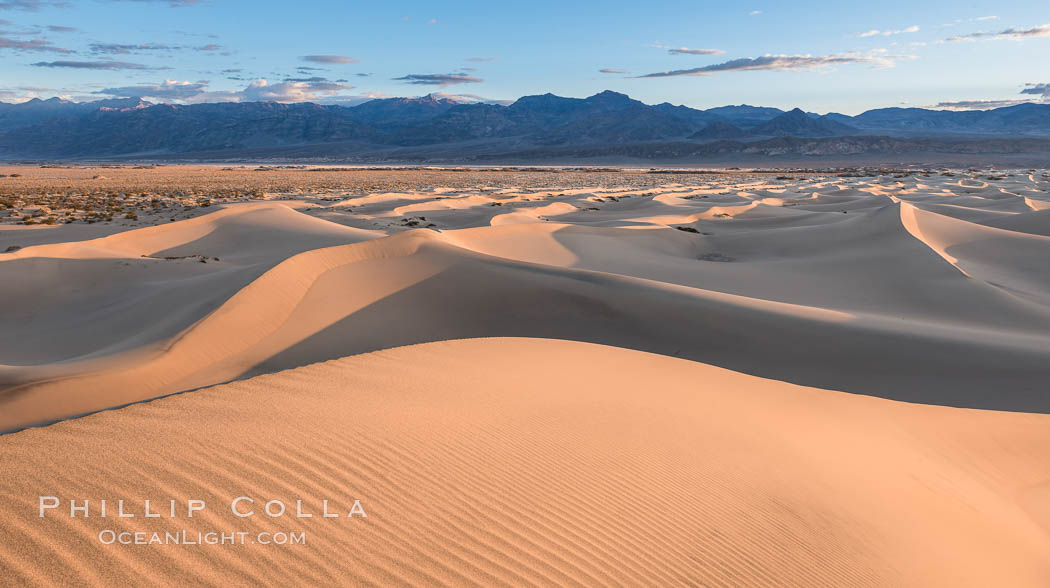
{"x": 613, "y": 70}
{"x": 61, "y": 29}
{"x": 331, "y": 59}
{"x": 166, "y": 91}
{"x": 1012, "y": 34}
{"x": 209, "y": 47}
{"x": 24, "y": 93}
{"x": 124, "y": 49}
{"x": 355, "y": 99}
{"x": 887, "y": 33}
{"x": 978, "y": 104}
{"x": 754, "y": 13}
{"x": 1041, "y": 93}
{"x": 439, "y": 79}
{"x": 31, "y": 45}
{"x": 1042, "y": 90}
{"x": 93, "y": 65}
{"x": 257, "y": 91}
{"x": 482, "y": 59}
{"x": 31, "y": 5}
{"x": 469, "y": 98}
{"x": 688, "y": 51}
{"x": 263, "y": 91}
{"x": 784, "y": 62}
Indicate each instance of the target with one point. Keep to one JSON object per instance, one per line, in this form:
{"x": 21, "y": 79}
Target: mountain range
{"x": 435, "y": 129}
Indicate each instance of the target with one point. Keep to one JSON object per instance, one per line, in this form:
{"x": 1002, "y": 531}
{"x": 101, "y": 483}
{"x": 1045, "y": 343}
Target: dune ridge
{"x": 877, "y": 281}
{"x": 738, "y": 380}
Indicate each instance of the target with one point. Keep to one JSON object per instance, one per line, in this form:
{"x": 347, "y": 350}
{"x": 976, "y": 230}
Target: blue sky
{"x": 821, "y": 56}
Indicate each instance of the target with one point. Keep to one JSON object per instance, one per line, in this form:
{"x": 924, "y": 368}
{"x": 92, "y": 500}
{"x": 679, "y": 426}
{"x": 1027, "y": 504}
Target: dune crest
{"x": 868, "y": 274}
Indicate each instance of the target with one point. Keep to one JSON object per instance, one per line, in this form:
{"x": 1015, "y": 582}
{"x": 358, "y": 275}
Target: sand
{"x": 534, "y": 461}
{"x": 738, "y": 380}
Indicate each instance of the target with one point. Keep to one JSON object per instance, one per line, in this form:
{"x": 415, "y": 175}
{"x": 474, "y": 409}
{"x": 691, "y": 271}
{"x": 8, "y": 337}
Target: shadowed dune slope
{"x": 850, "y": 305}
{"x": 530, "y": 461}
{"x": 853, "y": 285}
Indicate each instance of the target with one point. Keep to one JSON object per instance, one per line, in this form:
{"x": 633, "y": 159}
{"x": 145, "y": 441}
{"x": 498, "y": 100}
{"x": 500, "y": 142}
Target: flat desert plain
{"x": 527, "y": 377}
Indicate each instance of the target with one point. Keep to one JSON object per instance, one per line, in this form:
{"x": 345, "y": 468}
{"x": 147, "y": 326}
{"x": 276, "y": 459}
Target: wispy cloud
{"x": 31, "y": 45}
{"x": 688, "y": 51}
{"x": 784, "y": 62}
{"x": 31, "y": 5}
{"x": 1037, "y": 90}
{"x": 612, "y": 70}
{"x": 469, "y": 98}
{"x": 313, "y": 79}
{"x": 439, "y": 79}
{"x": 330, "y": 59}
{"x": 127, "y": 48}
{"x": 111, "y": 65}
{"x": 754, "y": 13}
{"x": 1012, "y": 34}
{"x": 257, "y": 91}
{"x": 1040, "y": 93}
{"x": 168, "y": 90}
{"x": 978, "y": 104}
{"x": 61, "y": 29}
{"x": 887, "y": 33}
{"x": 481, "y": 59}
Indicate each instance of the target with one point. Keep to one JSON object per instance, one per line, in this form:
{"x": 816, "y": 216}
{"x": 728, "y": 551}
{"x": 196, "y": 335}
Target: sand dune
{"x": 531, "y": 385}
{"x": 877, "y": 282}
{"x": 528, "y": 461}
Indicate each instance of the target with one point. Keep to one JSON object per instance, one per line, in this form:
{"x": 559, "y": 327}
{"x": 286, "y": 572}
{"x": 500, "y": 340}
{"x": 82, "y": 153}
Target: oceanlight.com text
{"x": 184, "y": 537}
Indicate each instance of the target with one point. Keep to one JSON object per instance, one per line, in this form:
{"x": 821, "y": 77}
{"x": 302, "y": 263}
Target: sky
{"x": 821, "y": 56}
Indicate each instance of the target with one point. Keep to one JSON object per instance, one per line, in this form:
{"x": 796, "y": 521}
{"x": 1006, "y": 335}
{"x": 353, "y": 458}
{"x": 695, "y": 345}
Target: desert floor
{"x": 530, "y": 377}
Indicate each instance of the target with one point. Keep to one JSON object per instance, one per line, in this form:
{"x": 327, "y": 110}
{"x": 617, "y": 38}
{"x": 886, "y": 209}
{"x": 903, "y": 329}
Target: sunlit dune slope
{"x": 528, "y": 461}
{"x": 864, "y": 289}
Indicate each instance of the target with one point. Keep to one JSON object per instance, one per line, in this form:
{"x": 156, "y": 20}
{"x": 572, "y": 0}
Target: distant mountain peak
{"x": 611, "y": 95}
{"x": 796, "y": 123}
{"x": 612, "y": 100}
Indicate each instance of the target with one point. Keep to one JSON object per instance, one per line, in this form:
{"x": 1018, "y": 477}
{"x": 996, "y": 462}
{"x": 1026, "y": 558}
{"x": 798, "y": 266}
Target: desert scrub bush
{"x": 131, "y": 216}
